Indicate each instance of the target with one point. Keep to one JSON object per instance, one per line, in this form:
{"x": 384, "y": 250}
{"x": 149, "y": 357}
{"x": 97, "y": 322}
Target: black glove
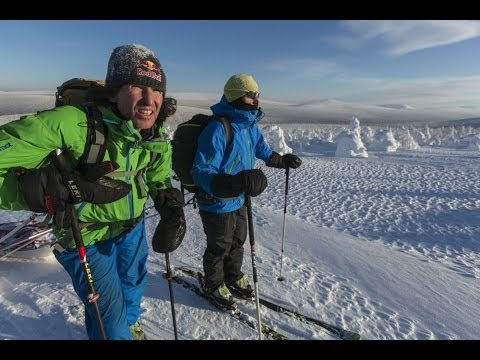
{"x": 44, "y": 190}
{"x": 282, "y": 162}
{"x": 251, "y": 182}
{"x": 171, "y": 228}
{"x": 275, "y": 161}
{"x": 291, "y": 161}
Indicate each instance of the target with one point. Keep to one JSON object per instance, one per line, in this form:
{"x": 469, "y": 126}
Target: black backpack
{"x": 185, "y": 143}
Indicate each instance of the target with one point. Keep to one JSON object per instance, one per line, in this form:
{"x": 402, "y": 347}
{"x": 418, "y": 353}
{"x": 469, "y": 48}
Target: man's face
{"x": 139, "y": 103}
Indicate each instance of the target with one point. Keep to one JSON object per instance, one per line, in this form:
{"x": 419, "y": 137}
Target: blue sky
{"x": 415, "y": 62}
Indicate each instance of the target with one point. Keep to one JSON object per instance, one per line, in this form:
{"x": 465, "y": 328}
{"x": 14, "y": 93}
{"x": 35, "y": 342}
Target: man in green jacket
{"x": 110, "y": 196}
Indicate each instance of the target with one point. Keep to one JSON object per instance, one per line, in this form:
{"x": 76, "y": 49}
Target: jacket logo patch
{"x": 6, "y": 146}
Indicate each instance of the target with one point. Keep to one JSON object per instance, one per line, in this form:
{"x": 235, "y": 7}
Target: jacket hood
{"x": 243, "y": 118}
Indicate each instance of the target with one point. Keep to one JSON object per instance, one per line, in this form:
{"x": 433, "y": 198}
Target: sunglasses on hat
{"x": 252, "y": 95}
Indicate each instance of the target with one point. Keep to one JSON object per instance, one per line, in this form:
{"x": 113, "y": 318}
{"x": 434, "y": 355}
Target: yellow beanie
{"x": 238, "y": 85}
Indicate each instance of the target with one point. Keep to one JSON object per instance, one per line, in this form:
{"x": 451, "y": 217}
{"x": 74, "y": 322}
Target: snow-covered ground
{"x": 386, "y": 244}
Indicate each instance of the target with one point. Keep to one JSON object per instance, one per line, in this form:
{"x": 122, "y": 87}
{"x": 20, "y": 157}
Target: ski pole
{"x": 17, "y": 228}
{"x": 24, "y": 243}
{"x": 172, "y": 304}
{"x": 59, "y": 162}
{"x": 182, "y": 189}
{"x": 251, "y": 237}
{"x": 287, "y": 172}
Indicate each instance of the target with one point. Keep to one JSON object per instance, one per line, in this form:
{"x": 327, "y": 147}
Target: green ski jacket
{"x": 28, "y": 142}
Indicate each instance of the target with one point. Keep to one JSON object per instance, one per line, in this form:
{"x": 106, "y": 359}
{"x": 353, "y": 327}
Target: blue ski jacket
{"x": 213, "y": 158}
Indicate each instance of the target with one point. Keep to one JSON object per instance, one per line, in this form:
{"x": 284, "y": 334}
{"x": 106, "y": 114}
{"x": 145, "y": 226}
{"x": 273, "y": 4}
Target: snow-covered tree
{"x": 349, "y": 142}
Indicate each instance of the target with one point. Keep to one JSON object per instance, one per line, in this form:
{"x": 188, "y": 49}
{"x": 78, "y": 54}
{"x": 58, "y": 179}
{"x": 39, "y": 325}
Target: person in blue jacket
{"x": 224, "y": 176}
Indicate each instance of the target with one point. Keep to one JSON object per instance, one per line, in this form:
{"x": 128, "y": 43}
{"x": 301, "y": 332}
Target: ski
{"x": 341, "y": 333}
{"x": 27, "y": 239}
{"x": 236, "y": 313}
{"x": 7, "y": 230}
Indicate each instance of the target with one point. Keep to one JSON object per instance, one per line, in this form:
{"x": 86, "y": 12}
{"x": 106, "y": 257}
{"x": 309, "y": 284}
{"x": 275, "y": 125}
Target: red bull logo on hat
{"x": 150, "y": 65}
{"x": 150, "y": 69}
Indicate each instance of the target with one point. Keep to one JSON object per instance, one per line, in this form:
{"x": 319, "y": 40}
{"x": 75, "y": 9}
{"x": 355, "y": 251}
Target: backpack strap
{"x": 95, "y": 146}
{"x": 228, "y": 129}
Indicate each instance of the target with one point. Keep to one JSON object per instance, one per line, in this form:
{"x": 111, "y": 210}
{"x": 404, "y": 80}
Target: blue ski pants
{"x": 119, "y": 272}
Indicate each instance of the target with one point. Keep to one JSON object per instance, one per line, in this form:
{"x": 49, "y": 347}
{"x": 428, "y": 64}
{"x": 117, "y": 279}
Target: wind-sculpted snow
{"x": 426, "y": 203}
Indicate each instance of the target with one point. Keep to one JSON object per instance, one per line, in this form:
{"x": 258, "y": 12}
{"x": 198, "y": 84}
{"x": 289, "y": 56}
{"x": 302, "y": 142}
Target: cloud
{"x": 305, "y": 68}
{"x": 345, "y": 86}
{"x": 419, "y": 91}
{"x": 401, "y": 37}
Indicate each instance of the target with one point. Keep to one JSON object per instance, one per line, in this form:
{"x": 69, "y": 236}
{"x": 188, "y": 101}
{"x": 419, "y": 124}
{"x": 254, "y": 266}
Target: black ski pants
{"x": 223, "y": 257}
